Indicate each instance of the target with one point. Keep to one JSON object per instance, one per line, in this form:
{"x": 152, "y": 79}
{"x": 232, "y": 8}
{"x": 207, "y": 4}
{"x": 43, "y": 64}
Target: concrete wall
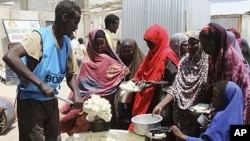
{"x": 7, "y": 13}
{"x": 43, "y": 11}
{"x": 87, "y": 23}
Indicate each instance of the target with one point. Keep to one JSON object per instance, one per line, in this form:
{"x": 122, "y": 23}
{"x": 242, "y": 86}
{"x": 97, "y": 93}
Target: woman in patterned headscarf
{"x": 224, "y": 63}
{"x": 188, "y": 88}
{"x": 159, "y": 64}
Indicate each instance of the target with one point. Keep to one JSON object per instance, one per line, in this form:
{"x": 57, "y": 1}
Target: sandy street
{"x": 9, "y": 91}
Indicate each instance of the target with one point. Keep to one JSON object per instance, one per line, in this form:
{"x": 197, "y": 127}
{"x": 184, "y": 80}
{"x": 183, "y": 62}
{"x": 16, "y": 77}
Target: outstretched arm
{"x": 72, "y": 83}
{"x": 158, "y": 108}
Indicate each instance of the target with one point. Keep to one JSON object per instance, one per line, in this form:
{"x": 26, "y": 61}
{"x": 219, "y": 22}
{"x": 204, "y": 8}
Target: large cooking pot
{"x": 157, "y": 134}
{"x": 144, "y": 122}
{"x": 110, "y": 135}
{"x": 97, "y": 125}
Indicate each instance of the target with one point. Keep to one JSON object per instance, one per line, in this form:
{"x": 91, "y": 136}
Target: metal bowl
{"x": 144, "y": 122}
{"x": 98, "y": 126}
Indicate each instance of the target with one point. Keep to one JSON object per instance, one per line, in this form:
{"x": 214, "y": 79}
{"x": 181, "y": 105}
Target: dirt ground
{"x": 9, "y": 91}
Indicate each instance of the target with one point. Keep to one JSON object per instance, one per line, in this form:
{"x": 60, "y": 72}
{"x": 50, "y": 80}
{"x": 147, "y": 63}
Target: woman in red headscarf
{"x": 159, "y": 64}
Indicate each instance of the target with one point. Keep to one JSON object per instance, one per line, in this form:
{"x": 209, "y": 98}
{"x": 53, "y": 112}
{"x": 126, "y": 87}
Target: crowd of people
{"x": 209, "y": 65}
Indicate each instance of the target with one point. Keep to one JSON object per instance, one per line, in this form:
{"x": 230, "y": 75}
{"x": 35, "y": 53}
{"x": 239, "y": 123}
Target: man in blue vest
{"x": 42, "y": 61}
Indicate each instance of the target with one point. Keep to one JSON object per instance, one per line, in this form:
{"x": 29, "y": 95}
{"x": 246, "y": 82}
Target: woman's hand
{"x": 157, "y": 110}
{"x": 134, "y": 80}
{"x": 177, "y": 132}
{"x": 126, "y": 71}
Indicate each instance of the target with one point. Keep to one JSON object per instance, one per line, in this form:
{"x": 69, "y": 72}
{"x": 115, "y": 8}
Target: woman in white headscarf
{"x": 179, "y": 44}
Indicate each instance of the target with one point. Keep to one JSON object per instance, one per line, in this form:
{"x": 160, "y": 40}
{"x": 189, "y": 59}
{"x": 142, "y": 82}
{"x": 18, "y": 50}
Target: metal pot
{"x": 125, "y": 96}
{"x": 157, "y": 134}
{"x": 98, "y": 125}
{"x": 144, "y": 122}
{"x": 127, "y": 89}
{"x": 111, "y": 135}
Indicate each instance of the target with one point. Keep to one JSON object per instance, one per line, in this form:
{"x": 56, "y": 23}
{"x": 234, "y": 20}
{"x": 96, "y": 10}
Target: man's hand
{"x": 77, "y": 105}
{"x": 47, "y": 90}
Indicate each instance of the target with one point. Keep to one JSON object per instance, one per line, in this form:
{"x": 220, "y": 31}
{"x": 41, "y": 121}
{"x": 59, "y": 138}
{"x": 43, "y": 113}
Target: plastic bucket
{"x": 7, "y": 114}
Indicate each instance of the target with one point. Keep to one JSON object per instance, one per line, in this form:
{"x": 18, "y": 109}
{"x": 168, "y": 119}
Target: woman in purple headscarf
{"x": 224, "y": 63}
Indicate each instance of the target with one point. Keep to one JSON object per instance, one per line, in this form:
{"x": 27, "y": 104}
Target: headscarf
{"x": 176, "y": 40}
{"x": 219, "y": 128}
{"x": 190, "y": 78}
{"x": 138, "y": 56}
{"x": 225, "y": 64}
{"x": 245, "y": 50}
{"x": 188, "y": 89}
{"x": 234, "y": 43}
{"x": 100, "y": 75}
{"x": 103, "y": 73}
{"x": 153, "y": 67}
{"x": 236, "y": 33}
{"x": 238, "y": 49}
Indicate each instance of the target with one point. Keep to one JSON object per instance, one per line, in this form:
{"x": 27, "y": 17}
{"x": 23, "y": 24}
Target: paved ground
{"x": 9, "y": 90}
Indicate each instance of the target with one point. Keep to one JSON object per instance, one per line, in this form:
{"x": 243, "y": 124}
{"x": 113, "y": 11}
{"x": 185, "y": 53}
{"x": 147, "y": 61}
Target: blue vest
{"x": 52, "y": 66}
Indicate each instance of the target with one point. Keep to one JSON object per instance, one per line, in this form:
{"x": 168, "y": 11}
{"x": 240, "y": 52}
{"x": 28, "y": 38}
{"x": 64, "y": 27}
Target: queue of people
{"x": 209, "y": 65}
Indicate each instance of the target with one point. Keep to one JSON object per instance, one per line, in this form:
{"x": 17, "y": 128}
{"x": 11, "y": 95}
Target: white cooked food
{"x": 129, "y": 86}
{"x": 97, "y": 106}
{"x": 200, "y": 108}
